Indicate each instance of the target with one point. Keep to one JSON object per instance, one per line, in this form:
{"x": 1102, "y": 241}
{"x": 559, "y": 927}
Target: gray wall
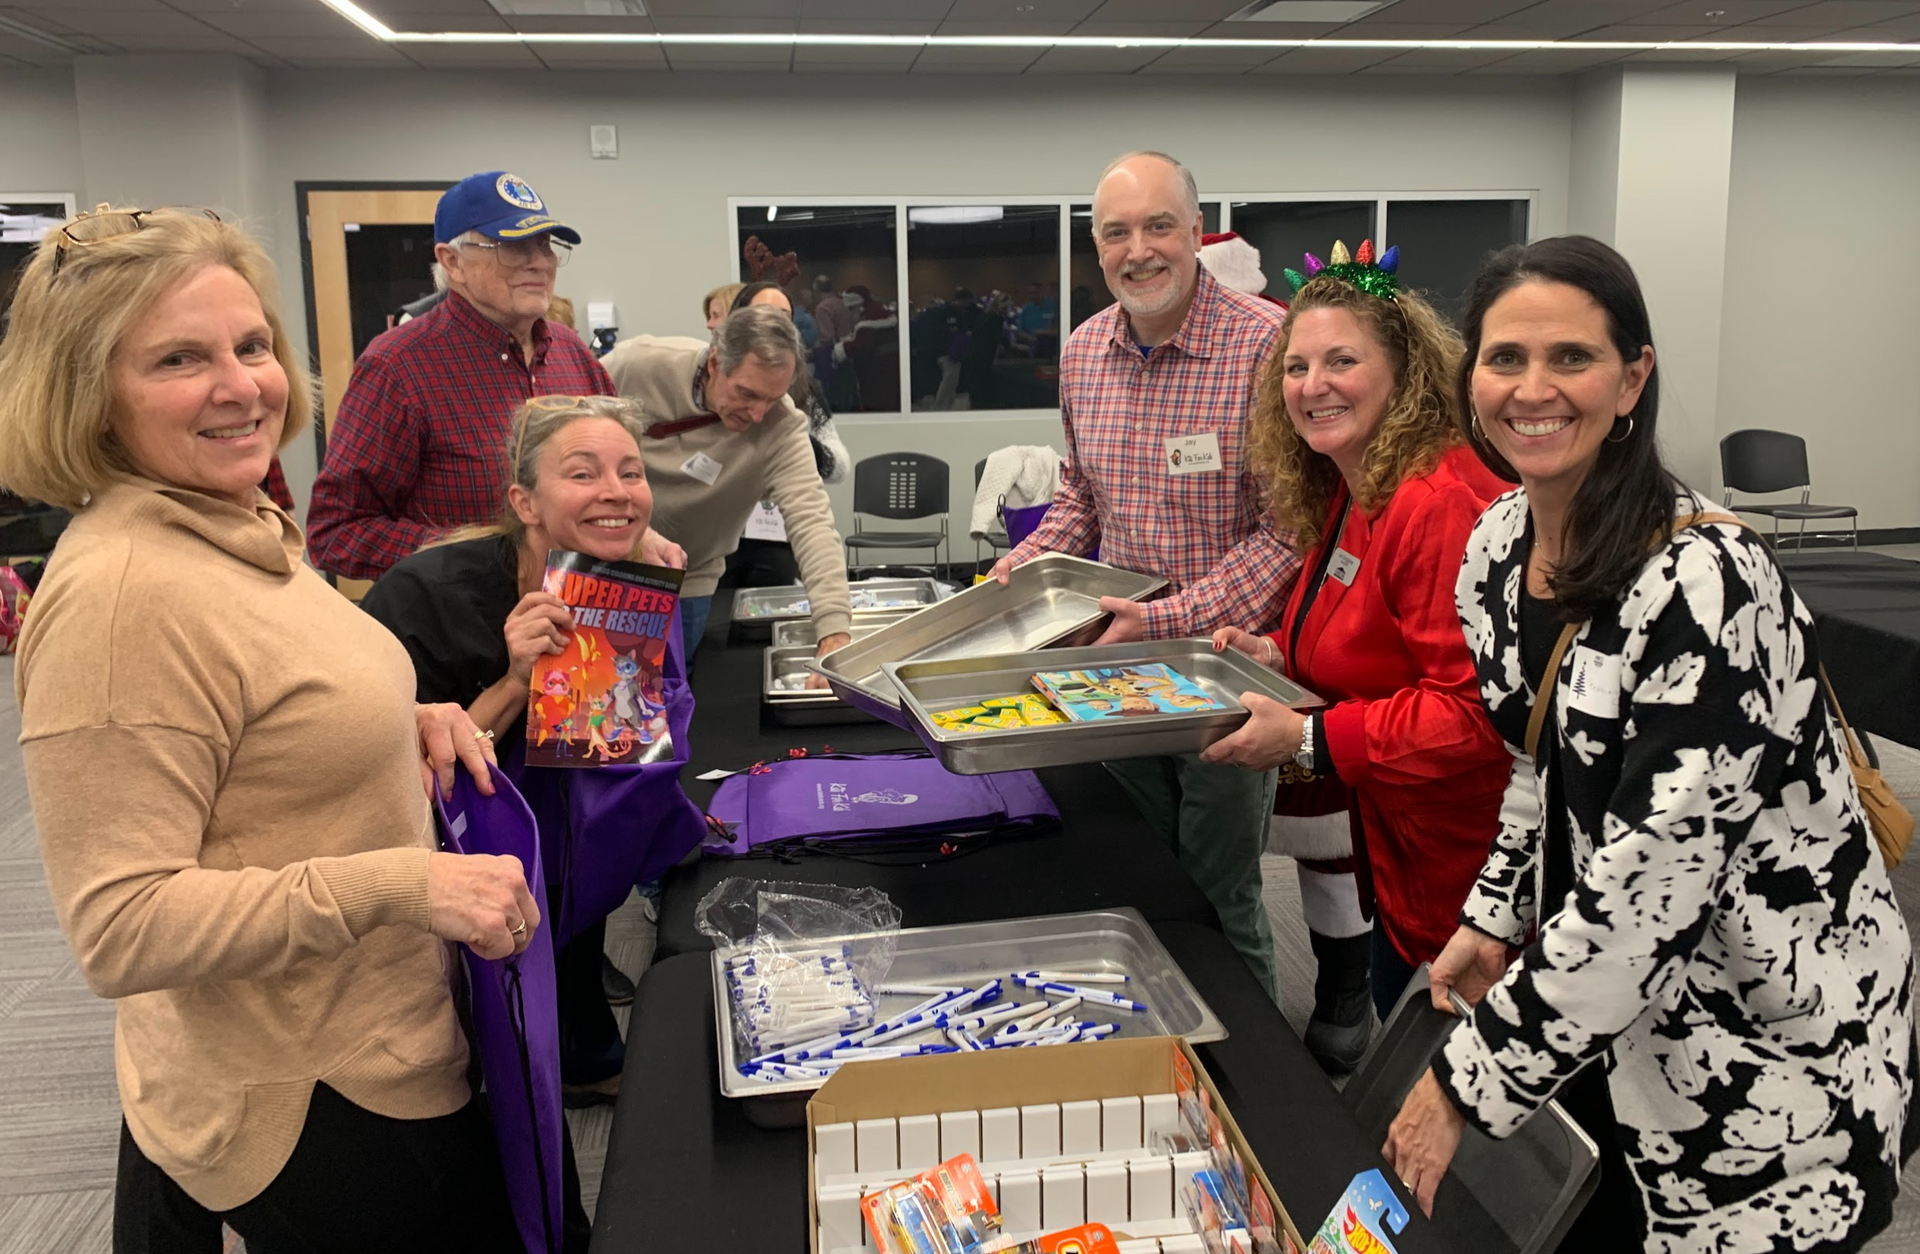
{"x": 1819, "y": 331}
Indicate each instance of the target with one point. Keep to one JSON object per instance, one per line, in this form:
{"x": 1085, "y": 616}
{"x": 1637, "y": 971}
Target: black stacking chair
{"x": 996, "y": 536}
{"x": 900, "y": 487}
{"x": 1757, "y": 461}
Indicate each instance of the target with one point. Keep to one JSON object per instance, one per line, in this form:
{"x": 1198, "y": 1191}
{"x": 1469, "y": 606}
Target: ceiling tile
{"x": 900, "y": 59}
{"x": 975, "y": 60}
{"x": 1637, "y": 33}
{"x": 1553, "y": 64}
{"x": 1102, "y": 28}
{"x": 33, "y": 19}
{"x": 758, "y": 56}
{"x": 1368, "y": 29}
{"x": 851, "y": 67}
{"x": 727, "y": 25}
{"x": 1872, "y": 60}
{"x": 1325, "y": 60}
{"x": 114, "y": 22}
{"x": 876, "y": 10}
{"x": 1093, "y": 60}
{"x": 1049, "y": 27}
{"x": 321, "y": 24}
{"x": 602, "y": 56}
{"x": 382, "y": 57}
{"x": 723, "y": 8}
{"x": 1905, "y": 28}
{"x": 837, "y": 26}
{"x": 252, "y": 8}
{"x": 209, "y": 41}
{"x": 1440, "y": 61}
{"x": 1213, "y": 60}
{"x": 1204, "y": 12}
{"x": 1733, "y": 12}
{"x": 1463, "y": 11}
{"x": 347, "y": 47}
{"x": 1824, "y": 71}
{"x": 1280, "y": 30}
{"x": 57, "y": 7}
{"x": 471, "y": 56}
{"x": 426, "y": 14}
{"x": 1834, "y": 15}
{"x": 543, "y": 24}
{"x": 1015, "y": 16}
{"x": 1679, "y": 56}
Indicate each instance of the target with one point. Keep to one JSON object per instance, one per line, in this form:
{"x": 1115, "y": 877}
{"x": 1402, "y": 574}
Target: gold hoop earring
{"x": 1624, "y": 436}
{"x": 1474, "y": 427}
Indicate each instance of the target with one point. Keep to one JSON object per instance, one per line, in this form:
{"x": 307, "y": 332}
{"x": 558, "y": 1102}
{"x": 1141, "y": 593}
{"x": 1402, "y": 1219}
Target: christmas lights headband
{"x": 1374, "y": 278}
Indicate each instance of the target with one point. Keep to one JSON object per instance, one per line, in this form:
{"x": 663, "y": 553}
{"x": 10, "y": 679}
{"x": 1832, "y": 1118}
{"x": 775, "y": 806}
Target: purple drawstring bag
{"x": 516, "y": 1017}
{"x": 605, "y": 829}
{"x": 892, "y": 800}
{"x": 1022, "y": 520}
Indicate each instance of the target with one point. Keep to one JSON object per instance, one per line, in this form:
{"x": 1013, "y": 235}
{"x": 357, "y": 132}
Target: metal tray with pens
{"x": 755, "y": 610}
{"x": 789, "y": 702}
{"x": 929, "y": 687}
{"x": 1046, "y": 601}
{"x": 969, "y": 954}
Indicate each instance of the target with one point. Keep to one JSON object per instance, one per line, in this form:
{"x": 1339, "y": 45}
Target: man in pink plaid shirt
{"x": 1153, "y": 398}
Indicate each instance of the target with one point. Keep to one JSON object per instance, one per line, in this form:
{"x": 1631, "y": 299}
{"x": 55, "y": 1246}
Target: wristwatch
{"x": 1304, "y": 757}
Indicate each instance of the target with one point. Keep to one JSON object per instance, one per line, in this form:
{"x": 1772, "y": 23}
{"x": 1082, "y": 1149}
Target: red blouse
{"x": 1405, "y": 727}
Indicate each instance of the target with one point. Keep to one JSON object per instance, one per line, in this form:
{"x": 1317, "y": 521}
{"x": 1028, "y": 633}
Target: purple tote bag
{"x": 896, "y": 796}
{"x": 606, "y": 829}
{"x": 516, "y": 1017}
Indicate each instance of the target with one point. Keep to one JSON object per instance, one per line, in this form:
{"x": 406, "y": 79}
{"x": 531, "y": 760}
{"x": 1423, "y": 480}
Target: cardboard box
{"x": 897, "y": 1087}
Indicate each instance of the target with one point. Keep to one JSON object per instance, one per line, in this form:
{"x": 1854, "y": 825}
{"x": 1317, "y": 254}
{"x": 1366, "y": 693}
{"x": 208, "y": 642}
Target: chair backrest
{"x": 1517, "y": 1196}
{"x": 979, "y": 471}
{"x": 1756, "y": 460}
{"x": 900, "y": 485}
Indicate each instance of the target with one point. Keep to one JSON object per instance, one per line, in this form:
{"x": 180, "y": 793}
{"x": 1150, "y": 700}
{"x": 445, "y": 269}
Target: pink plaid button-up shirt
{"x": 1207, "y": 532}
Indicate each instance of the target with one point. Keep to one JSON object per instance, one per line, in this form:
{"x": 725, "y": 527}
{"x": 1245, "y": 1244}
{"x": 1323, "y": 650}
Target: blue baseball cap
{"x": 499, "y": 205}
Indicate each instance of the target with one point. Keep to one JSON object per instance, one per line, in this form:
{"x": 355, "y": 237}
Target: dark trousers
{"x": 1390, "y": 973}
{"x": 357, "y": 1182}
{"x": 590, "y": 1045}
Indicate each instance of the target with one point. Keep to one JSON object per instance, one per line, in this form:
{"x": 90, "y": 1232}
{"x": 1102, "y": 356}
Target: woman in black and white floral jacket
{"x": 1704, "y": 914}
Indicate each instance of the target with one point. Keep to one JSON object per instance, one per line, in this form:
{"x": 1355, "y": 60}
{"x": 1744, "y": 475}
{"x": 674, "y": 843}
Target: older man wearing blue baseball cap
{"x": 417, "y": 446}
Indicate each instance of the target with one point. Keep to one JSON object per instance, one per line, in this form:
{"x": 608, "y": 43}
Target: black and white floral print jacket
{"x": 1732, "y": 944}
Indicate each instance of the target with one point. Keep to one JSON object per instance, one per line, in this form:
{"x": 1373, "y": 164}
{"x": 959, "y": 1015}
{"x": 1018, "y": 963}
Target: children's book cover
{"x": 602, "y": 700}
{"x": 1107, "y": 692}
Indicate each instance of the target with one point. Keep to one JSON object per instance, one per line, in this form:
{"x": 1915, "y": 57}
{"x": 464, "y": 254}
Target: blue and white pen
{"x": 1081, "y": 977}
{"x": 1093, "y": 995}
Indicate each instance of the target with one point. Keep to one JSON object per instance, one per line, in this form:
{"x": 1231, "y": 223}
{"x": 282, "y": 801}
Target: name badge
{"x": 1193, "y": 454}
{"x": 703, "y": 468}
{"x": 1343, "y": 567}
{"x": 1595, "y": 684}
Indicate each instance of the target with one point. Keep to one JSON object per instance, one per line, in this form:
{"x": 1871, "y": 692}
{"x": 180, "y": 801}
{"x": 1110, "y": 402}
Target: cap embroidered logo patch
{"x": 515, "y": 191}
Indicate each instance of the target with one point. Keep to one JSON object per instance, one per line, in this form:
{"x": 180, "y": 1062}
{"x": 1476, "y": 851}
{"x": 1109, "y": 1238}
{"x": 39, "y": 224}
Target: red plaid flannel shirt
{"x": 419, "y": 444}
{"x": 1209, "y": 532}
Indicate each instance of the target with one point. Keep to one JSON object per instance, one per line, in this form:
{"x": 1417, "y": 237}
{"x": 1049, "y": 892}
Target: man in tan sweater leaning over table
{"x": 721, "y": 437}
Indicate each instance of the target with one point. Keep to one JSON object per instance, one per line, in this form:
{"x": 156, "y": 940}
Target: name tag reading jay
{"x": 1193, "y": 454}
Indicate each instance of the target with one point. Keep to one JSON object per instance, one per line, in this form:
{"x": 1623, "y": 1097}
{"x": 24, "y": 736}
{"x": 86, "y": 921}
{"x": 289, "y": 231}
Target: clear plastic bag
{"x": 803, "y": 958}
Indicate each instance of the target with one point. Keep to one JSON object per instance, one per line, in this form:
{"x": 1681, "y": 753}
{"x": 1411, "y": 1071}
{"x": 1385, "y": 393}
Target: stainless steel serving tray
{"x": 803, "y": 708}
{"x": 790, "y": 631}
{"x": 1044, "y": 602}
{"x": 755, "y": 610}
{"x": 926, "y": 687}
{"x": 971, "y": 953}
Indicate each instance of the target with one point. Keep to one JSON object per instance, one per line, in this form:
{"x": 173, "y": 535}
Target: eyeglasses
{"x": 104, "y": 223}
{"x": 525, "y": 252}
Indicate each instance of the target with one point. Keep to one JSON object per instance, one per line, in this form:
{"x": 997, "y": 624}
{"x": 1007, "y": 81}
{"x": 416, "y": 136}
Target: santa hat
{"x": 1233, "y": 261}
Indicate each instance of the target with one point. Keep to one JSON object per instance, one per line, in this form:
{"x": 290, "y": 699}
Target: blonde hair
{"x": 1418, "y": 427}
{"x": 56, "y": 363}
{"x": 560, "y": 310}
{"x": 724, "y": 294}
{"x": 535, "y": 423}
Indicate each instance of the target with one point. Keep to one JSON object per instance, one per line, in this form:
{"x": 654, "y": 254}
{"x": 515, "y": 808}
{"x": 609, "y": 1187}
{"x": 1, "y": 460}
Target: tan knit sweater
{"x": 772, "y": 460}
{"x": 223, "y": 763}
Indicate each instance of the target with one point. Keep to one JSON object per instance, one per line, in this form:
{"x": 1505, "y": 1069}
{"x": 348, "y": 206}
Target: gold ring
{"x": 483, "y": 735}
{"x": 522, "y": 929}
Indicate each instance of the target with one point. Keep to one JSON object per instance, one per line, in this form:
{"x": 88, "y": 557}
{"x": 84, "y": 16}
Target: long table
{"x": 1866, "y": 608}
{"x": 687, "y": 1170}
{"x": 1103, "y": 854}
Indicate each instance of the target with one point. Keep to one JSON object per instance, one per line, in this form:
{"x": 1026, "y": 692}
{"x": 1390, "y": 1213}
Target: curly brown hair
{"x": 1418, "y": 427}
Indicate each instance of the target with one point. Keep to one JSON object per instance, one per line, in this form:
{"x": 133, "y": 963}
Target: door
{"x": 369, "y": 251}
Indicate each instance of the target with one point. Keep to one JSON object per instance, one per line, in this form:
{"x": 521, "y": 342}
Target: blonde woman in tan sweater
{"x": 229, "y": 776}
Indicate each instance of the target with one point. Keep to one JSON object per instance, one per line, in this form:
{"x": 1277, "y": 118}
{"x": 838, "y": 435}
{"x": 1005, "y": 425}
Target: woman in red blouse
{"x": 1354, "y": 431}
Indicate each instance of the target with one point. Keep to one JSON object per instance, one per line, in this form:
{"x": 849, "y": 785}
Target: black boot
{"x": 1342, "y": 1021}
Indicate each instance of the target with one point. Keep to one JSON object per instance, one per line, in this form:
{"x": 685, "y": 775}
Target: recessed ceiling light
{"x": 1716, "y": 12}
{"x": 952, "y": 215}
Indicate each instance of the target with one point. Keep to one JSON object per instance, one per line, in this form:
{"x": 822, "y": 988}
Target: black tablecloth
{"x": 1866, "y": 608}
{"x": 1102, "y": 856}
{"x": 685, "y": 1170}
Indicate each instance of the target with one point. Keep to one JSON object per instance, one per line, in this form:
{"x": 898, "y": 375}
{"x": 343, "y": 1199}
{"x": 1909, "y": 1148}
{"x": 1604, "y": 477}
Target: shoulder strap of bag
{"x": 1537, "y": 719}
